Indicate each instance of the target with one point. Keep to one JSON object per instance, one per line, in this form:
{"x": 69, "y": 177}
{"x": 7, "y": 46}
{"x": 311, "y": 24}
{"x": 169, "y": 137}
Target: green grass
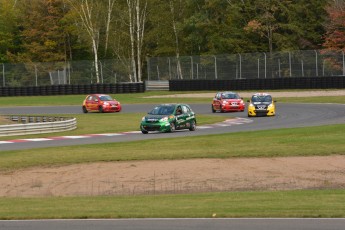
{"x": 283, "y": 204}
{"x": 311, "y": 141}
{"x": 92, "y": 123}
{"x": 140, "y": 98}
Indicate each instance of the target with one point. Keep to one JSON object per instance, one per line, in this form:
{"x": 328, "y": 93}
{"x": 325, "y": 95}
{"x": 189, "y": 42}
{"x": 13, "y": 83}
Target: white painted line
{"x": 204, "y": 127}
{"x": 132, "y": 132}
{"x": 37, "y": 139}
{"x": 74, "y": 137}
{"x": 5, "y": 142}
{"x": 105, "y": 134}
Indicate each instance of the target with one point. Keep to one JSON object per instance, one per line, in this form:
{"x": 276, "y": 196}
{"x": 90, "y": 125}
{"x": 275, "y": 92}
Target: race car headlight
{"x": 251, "y": 105}
{"x": 225, "y": 102}
{"x": 270, "y": 106}
{"x": 164, "y": 119}
{"x": 143, "y": 119}
{"x": 105, "y": 103}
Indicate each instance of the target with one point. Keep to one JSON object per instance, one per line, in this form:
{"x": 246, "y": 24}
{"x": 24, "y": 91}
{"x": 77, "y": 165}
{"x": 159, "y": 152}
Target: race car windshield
{"x": 267, "y": 98}
{"x": 105, "y": 98}
{"x": 230, "y": 96}
{"x": 162, "y": 110}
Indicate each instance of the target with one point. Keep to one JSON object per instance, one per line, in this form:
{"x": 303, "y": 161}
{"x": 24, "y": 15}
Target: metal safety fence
{"x": 63, "y": 73}
{"x": 301, "y": 63}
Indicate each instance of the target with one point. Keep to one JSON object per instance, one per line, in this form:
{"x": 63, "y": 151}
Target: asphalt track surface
{"x": 178, "y": 224}
{"x": 287, "y": 116}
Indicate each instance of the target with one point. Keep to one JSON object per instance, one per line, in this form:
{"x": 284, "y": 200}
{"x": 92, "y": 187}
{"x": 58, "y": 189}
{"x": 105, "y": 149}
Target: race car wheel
{"x": 213, "y": 110}
{"x": 172, "y": 127}
{"x": 84, "y": 109}
{"x": 100, "y": 109}
{"x": 192, "y": 126}
{"x": 144, "y": 132}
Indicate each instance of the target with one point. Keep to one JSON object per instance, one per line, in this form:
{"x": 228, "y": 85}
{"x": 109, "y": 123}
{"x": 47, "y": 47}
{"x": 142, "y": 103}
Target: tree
{"x": 136, "y": 25}
{"x": 89, "y": 14}
{"x": 8, "y": 26}
{"x": 42, "y": 35}
{"x": 335, "y": 33}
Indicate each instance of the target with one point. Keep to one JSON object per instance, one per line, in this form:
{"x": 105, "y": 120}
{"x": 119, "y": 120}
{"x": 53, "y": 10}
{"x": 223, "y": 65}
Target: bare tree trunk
{"x": 141, "y": 17}
{"x": 85, "y": 11}
{"x": 131, "y": 34}
{"x": 177, "y": 49}
{"x": 108, "y": 20}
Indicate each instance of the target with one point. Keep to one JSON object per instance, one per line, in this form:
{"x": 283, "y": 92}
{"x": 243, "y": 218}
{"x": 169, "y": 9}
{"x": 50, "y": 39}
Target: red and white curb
{"x": 230, "y": 122}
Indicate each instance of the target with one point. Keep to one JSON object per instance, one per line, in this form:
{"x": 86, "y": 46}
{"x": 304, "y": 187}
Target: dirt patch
{"x": 178, "y": 176}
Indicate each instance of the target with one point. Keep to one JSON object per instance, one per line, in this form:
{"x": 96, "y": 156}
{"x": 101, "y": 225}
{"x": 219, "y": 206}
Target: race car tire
{"x": 144, "y": 132}
{"x": 85, "y": 110}
{"x": 213, "y": 110}
{"x": 100, "y": 109}
{"x": 172, "y": 127}
{"x": 192, "y": 126}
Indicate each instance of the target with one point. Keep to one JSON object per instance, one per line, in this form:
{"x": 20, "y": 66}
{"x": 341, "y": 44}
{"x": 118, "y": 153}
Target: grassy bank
{"x": 141, "y": 98}
{"x": 283, "y": 204}
{"x": 321, "y": 141}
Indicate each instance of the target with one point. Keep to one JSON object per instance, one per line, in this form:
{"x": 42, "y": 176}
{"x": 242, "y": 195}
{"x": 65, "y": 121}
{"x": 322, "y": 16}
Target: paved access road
{"x": 288, "y": 115}
{"x": 177, "y": 224}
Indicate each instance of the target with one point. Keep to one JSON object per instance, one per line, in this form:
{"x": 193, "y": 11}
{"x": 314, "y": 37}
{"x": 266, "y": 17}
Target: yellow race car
{"x": 261, "y": 104}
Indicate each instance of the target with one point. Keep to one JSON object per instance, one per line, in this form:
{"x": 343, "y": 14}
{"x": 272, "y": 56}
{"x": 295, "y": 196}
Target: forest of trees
{"x": 66, "y": 30}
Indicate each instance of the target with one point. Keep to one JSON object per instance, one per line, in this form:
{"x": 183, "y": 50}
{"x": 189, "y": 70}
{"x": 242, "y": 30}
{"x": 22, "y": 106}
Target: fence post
{"x": 3, "y": 74}
{"x": 215, "y": 67}
{"x": 343, "y": 63}
{"x": 148, "y": 68}
{"x": 191, "y": 65}
{"x": 240, "y": 66}
{"x": 265, "y": 64}
{"x": 290, "y": 64}
{"x": 316, "y": 70}
{"x": 36, "y": 82}
{"x": 258, "y": 67}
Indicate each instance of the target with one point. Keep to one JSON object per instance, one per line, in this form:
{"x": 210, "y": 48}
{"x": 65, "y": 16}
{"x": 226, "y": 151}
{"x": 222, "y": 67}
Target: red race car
{"x": 227, "y": 102}
{"x": 100, "y": 103}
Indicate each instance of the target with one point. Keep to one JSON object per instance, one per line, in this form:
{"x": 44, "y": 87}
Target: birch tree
{"x": 136, "y": 23}
{"x": 176, "y": 34}
{"x": 89, "y": 13}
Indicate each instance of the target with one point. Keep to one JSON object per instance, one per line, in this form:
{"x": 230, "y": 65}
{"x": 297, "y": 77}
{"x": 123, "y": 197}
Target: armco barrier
{"x": 72, "y": 89}
{"x": 37, "y": 125}
{"x": 333, "y": 82}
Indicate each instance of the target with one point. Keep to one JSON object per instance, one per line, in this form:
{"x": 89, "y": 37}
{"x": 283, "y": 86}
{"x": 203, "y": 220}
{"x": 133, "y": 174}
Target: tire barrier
{"x": 337, "y": 82}
{"x": 37, "y": 124}
{"x": 72, "y": 89}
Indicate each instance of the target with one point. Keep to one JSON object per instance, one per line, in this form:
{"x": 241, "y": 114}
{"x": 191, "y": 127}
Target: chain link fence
{"x": 307, "y": 63}
{"x": 60, "y": 73}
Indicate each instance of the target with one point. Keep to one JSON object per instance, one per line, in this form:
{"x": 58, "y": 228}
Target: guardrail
{"x": 37, "y": 125}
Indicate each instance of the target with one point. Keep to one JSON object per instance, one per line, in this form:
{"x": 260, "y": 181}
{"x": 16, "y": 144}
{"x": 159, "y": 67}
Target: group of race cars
{"x": 171, "y": 117}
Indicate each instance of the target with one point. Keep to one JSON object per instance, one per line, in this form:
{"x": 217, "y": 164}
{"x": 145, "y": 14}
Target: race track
{"x": 288, "y": 115}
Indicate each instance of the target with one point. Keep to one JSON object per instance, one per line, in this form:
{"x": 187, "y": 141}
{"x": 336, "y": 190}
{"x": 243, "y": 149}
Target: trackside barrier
{"x": 37, "y": 125}
{"x": 47, "y": 90}
{"x": 331, "y": 82}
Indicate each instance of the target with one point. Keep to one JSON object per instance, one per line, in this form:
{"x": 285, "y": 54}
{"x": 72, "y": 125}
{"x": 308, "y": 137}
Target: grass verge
{"x": 311, "y": 141}
{"x": 140, "y": 98}
{"x": 92, "y": 123}
{"x": 282, "y": 204}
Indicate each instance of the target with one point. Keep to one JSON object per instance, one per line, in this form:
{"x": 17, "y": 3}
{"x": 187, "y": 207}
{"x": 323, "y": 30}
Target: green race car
{"x": 168, "y": 118}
